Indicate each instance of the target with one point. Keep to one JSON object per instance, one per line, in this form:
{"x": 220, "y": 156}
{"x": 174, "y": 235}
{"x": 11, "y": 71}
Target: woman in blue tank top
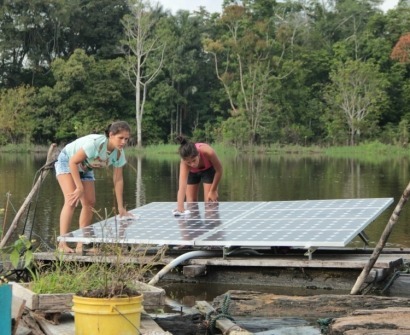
{"x": 74, "y": 171}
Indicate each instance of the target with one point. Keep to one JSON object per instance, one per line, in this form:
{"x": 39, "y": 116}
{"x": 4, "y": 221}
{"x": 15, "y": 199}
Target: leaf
{"x": 14, "y": 258}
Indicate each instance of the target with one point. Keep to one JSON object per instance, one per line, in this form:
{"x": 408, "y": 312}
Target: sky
{"x": 216, "y": 5}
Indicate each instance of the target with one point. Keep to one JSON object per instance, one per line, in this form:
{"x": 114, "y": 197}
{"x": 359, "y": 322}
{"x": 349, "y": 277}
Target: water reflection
{"x": 246, "y": 178}
{"x": 198, "y": 222}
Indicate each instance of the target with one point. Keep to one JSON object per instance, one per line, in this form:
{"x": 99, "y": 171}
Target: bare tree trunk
{"x": 139, "y": 48}
{"x": 51, "y": 157}
{"x": 382, "y": 242}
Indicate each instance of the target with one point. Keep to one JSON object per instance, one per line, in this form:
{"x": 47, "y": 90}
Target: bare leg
{"x": 207, "y": 187}
{"x": 192, "y": 193}
{"x": 87, "y": 203}
{"x": 67, "y": 186}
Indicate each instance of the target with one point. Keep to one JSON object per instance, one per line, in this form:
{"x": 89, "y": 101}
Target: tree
{"x": 401, "y": 51}
{"x": 356, "y": 95}
{"x": 16, "y": 120}
{"x": 34, "y": 33}
{"x": 144, "y": 53}
{"x": 243, "y": 64}
{"x": 88, "y": 95}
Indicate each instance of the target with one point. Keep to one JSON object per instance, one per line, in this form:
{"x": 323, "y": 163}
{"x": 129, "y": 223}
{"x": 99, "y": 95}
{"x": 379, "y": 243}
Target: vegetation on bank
{"x": 367, "y": 149}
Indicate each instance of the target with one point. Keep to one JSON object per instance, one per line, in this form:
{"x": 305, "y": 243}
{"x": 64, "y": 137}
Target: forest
{"x": 261, "y": 72}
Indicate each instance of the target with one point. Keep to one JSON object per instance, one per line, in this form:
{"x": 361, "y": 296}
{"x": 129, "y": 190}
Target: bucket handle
{"x": 113, "y": 307}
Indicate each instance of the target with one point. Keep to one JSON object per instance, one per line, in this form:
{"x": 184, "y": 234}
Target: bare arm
{"x": 211, "y": 155}
{"x": 183, "y": 179}
{"x": 119, "y": 189}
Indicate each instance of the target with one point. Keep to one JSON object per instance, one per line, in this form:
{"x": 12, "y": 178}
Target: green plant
{"x": 18, "y": 255}
{"x": 116, "y": 270}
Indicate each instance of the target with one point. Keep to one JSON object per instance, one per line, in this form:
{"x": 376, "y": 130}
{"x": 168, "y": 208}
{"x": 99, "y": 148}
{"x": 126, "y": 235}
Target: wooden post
{"x": 382, "y": 242}
{"x": 51, "y": 157}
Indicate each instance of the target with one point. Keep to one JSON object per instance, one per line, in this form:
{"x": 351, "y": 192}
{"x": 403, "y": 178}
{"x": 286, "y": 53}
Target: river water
{"x": 246, "y": 178}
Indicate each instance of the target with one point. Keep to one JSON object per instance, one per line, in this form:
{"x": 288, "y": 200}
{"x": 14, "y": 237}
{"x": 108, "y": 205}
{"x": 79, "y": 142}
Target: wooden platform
{"x": 323, "y": 260}
{"x": 347, "y": 261}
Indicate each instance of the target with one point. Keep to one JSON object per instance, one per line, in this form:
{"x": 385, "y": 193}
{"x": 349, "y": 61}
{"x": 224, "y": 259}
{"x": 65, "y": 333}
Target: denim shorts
{"x": 62, "y": 167}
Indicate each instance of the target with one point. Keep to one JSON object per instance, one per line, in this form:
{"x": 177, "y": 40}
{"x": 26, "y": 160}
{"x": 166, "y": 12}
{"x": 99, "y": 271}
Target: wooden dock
{"x": 348, "y": 263}
{"x": 332, "y": 259}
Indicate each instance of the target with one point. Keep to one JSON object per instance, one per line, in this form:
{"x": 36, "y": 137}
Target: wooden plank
{"x": 17, "y": 309}
{"x": 52, "y": 303}
{"x": 251, "y": 303}
{"x": 225, "y": 325}
{"x": 47, "y": 303}
{"x": 23, "y": 292}
{"x": 154, "y": 297}
{"x": 337, "y": 261}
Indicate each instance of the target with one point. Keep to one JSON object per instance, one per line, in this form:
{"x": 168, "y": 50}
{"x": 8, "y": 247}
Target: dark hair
{"x": 187, "y": 148}
{"x": 117, "y": 127}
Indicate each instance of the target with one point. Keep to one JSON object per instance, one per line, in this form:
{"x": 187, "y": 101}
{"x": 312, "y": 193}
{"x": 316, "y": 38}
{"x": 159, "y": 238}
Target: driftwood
{"x": 249, "y": 303}
{"x": 51, "y": 157}
{"x": 223, "y": 324}
{"x": 382, "y": 242}
{"x": 386, "y": 321}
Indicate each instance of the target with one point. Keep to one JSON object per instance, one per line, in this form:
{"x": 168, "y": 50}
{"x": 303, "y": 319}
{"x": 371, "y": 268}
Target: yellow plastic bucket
{"x": 102, "y": 316}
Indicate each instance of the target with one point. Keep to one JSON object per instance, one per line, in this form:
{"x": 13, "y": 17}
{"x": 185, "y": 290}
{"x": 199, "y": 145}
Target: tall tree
{"x": 16, "y": 117}
{"x": 88, "y": 94}
{"x": 144, "y": 53}
{"x": 356, "y": 96}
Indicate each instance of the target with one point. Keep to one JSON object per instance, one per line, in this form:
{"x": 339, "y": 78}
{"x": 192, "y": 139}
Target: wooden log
{"x": 51, "y": 157}
{"x": 248, "y": 303}
{"x": 382, "y": 242}
{"x": 375, "y": 322}
{"x": 225, "y": 325}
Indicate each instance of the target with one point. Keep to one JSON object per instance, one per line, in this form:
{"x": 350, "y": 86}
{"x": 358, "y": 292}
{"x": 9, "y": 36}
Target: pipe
{"x": 179, "y": 260}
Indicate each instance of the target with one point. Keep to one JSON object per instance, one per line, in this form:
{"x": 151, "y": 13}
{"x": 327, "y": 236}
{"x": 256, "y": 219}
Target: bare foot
{"x": 82, "y": 251}
{"x": 64, "y": 248}
{"x": 79, "y": 248}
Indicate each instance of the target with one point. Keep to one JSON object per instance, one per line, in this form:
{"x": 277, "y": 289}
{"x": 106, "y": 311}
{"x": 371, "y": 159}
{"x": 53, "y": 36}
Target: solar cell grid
{"x": 317, "y": 223}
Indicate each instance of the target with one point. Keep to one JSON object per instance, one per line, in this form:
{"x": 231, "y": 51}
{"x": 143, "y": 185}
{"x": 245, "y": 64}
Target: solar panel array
{"x": 305, "y": 224}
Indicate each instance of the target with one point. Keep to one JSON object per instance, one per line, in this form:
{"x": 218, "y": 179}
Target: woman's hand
{"x": 124, "y": 213}
{"x": 212, "y": 196}
{"x": 74, "y": 198}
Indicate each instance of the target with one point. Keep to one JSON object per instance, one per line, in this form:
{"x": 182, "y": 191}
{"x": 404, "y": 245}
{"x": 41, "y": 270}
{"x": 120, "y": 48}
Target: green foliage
{"x": 356, "y": 97}
{"x": 109, "y": 274}
{"x": 16, "y": 121}
{"x": 369, "y": 151}
{"x": 19, "y": 254}
{"x": 86, "y": 97}
{"x": 235, "y": 131}
{"x": 283, "y": 64}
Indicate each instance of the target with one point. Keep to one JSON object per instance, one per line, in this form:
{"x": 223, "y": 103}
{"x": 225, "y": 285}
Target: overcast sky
{"x": 216, "y": 5}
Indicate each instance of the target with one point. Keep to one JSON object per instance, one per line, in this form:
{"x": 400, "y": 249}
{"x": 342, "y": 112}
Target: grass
{"x": 110, "y": 274}
{"x": 170, "y": 151}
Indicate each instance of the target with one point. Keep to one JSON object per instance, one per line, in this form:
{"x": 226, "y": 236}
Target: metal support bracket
{"x": 364, "y": 238}
{"x": 310, "y": 252}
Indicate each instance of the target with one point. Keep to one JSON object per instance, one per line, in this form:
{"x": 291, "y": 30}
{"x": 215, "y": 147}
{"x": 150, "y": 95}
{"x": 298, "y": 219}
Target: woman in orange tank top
{"x": 199, "y": 163}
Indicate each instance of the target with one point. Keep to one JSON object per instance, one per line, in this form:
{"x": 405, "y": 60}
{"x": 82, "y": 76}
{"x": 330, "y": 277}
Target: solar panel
{"x": 304, "y": 223}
